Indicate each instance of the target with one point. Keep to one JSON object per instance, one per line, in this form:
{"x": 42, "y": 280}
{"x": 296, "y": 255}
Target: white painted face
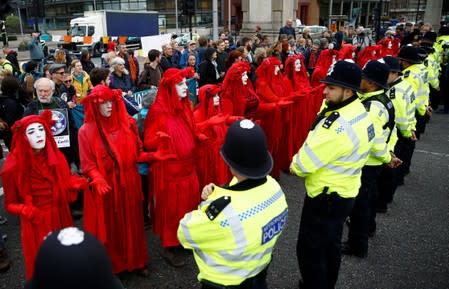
{"x": 276, "y": 69}
{"x": 297, "y": 65}
{"x": 216, "y": 100}
{"x": 181, "y": 88}
{"x": 106, "y": 108}
{"x": 244, "y": 78}
{"x": 35, "y": 133}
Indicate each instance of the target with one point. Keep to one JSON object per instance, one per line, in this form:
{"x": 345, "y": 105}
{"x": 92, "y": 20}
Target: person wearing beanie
{"x": 110, "y": 149}
{"x": 331, "y": 160}
{"x": 400, "y": 94}
{"x": 72, "y": 259}
{"x": 170, "y": 129}
{"x": 228, "y": 250}
{"x": 381, "y": 112}
{"x": 37, "y": 183}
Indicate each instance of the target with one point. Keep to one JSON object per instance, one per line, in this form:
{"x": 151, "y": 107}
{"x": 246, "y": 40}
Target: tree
{"x": 12, "y": 23}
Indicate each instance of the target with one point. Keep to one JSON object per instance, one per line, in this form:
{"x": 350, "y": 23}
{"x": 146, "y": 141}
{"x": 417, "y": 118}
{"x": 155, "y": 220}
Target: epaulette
{"x": 392, "y": 93}
{"x": 217, "y": 206}
{"x": 330, "y": 119}
{"x": 367, "y": 105}
{"x": 407, "y": 74}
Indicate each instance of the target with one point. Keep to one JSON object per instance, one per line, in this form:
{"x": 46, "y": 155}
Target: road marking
{"x": 432, "y": 153}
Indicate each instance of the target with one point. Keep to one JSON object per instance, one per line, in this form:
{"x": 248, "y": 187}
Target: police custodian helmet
{"x": 345, "y": 74}
{"x": 245, "y": 150}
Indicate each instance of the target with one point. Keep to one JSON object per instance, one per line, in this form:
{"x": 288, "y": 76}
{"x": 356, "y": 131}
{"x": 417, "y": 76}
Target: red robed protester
{"x": 211, "y": 122}
{"x": 109, "y": 149}
{"x": 297, "y": 87}
{"x": 347, "y": 51}
{"x": 326, "y": 58}
{"x": 368, "y": 53}
{"x": 236, "y": 97}
{"x": 389, "y": 45}
{"x": 174, "y": 188}
{"x": 38, "y": 184}
{"x": 271, "y": 90}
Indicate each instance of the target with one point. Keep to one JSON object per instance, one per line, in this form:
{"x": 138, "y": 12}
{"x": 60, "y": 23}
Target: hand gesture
{"x": 100, "y": 186}
{"x": 207, "y": 191}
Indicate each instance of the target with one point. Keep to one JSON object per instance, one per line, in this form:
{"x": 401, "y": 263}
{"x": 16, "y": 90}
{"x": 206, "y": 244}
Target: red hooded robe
{"x": 169, "y": 127}
{"x": 212, "y": 123}
{"x": 38, "y": 187}
{"x": 109, "y": 149}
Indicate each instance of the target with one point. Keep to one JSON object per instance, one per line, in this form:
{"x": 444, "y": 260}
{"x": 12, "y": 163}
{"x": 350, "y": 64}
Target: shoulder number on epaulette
{"x": 330, "y": 119}
{"x": 407, "y": 74}
{"x": 392, "y": 93}
{"x": 217, "y": 206}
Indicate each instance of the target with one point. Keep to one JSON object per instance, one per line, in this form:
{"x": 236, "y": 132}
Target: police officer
{"x": 408, "y": 59}
{"x": 381, "y": 112}
{"x": 400, "y": 93}
{"x": 233, "y": 233}
{"x": 331, "y": 160}
{"x": 442, "y": 57}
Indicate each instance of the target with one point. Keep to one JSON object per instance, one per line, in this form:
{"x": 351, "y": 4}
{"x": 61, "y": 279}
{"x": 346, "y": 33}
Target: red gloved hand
{"x": 285, "y": 103}
{"x": 146, "y": 157}
{"x": 77, "y": 183}
{"x": 233, "y": 118}
{"x": 31, "y": 213}
{"x": 100, "y": 186}
{"x": 202, "y": 137}
{"x": 216, "y": 119}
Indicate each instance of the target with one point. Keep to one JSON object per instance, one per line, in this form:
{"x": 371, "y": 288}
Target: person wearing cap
{"x": 72, "y": 259}
{"x": 381, "y": 112}
{"x": 58, "y": 72}
{"x": 170, "y": 129}
{"x": 233, "y": 232}
{"x": 45, "y": 88}
{"x": 38, "y": 184}
{"x": 412, "y": 72}
{"x": 400, "y": 93}
{"x": 331, "y": 160}
{"x": 190, "y": 49}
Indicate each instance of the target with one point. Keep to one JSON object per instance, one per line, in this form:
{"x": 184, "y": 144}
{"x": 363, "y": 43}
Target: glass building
{"x": 58, "y": 13}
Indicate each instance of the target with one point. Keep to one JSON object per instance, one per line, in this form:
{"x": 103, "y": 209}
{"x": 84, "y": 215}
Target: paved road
{"x": 410, "y": 250}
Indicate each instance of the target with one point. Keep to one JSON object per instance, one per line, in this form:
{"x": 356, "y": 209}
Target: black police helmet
{"x": 377, "y": 72}
{"x": 72, "y": 259}
{"x": 345, "y": 74}
{"x": 410, "y": 54}
{"x": 393, "y": 63}
{"x": 245, "y": 150}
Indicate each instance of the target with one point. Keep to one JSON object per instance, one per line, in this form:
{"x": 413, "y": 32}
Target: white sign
{"x": 154, "y": 42}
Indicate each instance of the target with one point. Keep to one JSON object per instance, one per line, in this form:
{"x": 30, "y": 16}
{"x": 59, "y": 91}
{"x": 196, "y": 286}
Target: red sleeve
{"x": 13, "y": 204}
{"x": 87, "y": 155}
{"x": 264, "y": 91}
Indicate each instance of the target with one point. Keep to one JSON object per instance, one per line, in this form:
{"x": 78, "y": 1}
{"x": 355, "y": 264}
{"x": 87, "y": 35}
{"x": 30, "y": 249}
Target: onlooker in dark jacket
{"x": 166, "y": 58}
{"x": 10, "y": 108}
{"x": 288, "y": 29}
{"x": 208, "y": 68}
{"x": 152, "y": 71}
{"x": 86, "y": 62}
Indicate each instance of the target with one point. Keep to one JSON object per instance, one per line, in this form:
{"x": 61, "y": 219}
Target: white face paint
{"x": 276, "y": 69}
{"x": 181, "y": 88}
{"x": 106, "y": 108}
{"x": 216, "y": 100}
{"x": 297, "y": 65}
{"x": 35, "y": 133}
{"x": 244, "y": 78}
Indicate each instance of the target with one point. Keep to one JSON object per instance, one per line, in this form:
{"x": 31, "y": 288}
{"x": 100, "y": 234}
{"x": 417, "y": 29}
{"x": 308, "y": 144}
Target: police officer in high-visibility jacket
{"x": 408, "y": 59}
{"x": 400, "y": 94}
{"x": 233, "y": 232}
{"x": 331, "y": 160}
{"x": 381, "y": 111}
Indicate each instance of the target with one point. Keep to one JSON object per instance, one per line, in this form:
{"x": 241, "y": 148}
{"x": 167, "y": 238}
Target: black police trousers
{"x": 256, "y": 282}
{"x": 403, "y": 150}
{"x": 319, "y": 240}
{"x": 363, "y": 214}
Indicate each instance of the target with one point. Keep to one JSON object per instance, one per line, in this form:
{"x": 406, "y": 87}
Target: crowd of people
{"x": 341, "y": 111}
